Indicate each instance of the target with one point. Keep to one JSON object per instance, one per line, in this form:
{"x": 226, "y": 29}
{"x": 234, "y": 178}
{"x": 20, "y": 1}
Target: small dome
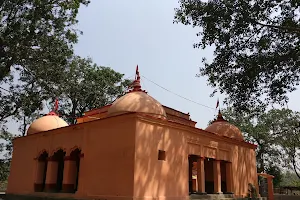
{"x": 46, "y": 123}
{"x": 137, "y": 101}
{"x": 223, "y": 128}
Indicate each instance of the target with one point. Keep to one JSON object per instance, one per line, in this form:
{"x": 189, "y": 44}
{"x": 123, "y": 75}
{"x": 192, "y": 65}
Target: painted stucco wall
{"x": 106, "y": 168}
{"x": 121, "y": 158}
{"x": 154, "y": 178}
{"x": 244, "y": 169}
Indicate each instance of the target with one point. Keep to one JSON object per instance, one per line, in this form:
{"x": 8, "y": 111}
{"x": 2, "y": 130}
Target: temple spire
{"x": 220, "y": 116}
{"x": 136, "y": 84}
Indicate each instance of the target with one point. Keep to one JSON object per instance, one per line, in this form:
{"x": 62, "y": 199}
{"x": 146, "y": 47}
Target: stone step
{"x": 211, "y": 196}
{"x": 218, "y": 197}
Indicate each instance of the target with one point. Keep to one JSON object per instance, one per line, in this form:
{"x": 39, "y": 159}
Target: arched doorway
{"x": 71, "y": 176}
{"x": 59, "y": 158}
{"x": 41, "y": 171}
{"x": 76, "y": 154}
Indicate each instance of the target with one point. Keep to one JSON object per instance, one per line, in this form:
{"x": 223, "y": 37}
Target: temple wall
{"x": 121, "y": 158}
{"x": 21, "y": 177}
{"x": 156, "y": 178}
{"x": 106, "y": 169}
{"x": 160, "y": 179}
{"x": 244, "y": 168}
{"x": 108, "y": 164}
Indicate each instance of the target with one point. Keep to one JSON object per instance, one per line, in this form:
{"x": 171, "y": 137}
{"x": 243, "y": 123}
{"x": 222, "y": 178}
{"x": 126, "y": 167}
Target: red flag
{"x": 56, "y": 105}
{"x": 217, "y": 104}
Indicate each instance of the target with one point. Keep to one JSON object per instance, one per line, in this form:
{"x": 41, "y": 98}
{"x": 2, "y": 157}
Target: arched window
{"x": 41, "y": 171}
{"x": 76, "y": 155}
{"x": 59, "y": 157}
{"x": 72, "y": 164}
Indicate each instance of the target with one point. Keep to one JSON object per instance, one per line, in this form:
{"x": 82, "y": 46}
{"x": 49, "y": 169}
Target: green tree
{"x": 5, "y": 152}
{"x": 257, "y": 47}
{"x": 257, "y": 128}
{"x": 86, "y": 86}
{"x": 276, "y": 134}
{"x": 37, "y": 34}
{"x": 81, "y": 86}
{"x": 290, "y": 179}
{"x": 276, "y": 172}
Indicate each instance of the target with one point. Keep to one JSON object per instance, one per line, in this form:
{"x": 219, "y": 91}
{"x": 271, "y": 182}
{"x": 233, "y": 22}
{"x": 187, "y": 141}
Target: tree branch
{"x": 290, "y": 29}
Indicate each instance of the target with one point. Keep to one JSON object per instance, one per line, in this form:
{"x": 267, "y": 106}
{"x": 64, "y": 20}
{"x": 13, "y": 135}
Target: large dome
{"x": 223, "y": 128}
{"x": 137, "y": 100}
{"x": 46, "y": 123}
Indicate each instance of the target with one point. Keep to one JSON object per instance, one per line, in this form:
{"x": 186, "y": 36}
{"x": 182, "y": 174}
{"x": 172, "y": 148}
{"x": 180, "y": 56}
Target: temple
{"x": 134, "y": 148}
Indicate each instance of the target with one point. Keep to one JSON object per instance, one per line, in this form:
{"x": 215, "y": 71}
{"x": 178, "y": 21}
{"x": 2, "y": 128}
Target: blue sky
{"x": 122, "y": 34}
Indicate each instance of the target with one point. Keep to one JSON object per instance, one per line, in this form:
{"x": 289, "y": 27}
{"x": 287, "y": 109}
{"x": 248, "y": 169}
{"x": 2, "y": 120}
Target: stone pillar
{"x": 70, "y": 175}
{"x": 201, "y": 175}
{"x": 229, "y": 177}
{"x": 51, "y": 176}
{"x": 39, "y": 175}
{"x": 217, "y": 176}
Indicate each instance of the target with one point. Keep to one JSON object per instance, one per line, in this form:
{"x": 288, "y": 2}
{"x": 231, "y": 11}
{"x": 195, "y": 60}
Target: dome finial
{"x": 220, "y": 116}
{"x": 54, "y": 110}
{"x": 136, "y": 84}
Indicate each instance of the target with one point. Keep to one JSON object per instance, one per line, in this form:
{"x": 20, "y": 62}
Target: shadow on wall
{"x": 154, "y": 177}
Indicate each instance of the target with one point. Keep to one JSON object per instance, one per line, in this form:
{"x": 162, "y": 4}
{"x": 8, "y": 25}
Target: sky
{"x": 123, "y": 34}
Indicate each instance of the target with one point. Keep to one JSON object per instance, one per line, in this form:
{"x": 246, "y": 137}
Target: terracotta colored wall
{"x": 109, "y": 161}
{"x": 244, "y": 169}
{"x": 156, "y": 178}
{"x": 21, "y": 174}
{"x": 107, "y": 166}
{"x": 111, "y": 146}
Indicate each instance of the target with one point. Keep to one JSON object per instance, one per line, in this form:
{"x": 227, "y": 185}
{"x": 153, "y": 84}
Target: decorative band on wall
{"x": 52, "y": 159}
{"x": 73, "y": 158}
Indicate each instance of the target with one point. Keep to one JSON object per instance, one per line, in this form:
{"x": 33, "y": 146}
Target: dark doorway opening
{"x": 75, "y": 155}
{"x": 59, "y": 157}
{"x": 209, "y": 175}
{"x": 42, "y": 169}
{"x": 223, "y": 176}
{"x": 192, "y": 159}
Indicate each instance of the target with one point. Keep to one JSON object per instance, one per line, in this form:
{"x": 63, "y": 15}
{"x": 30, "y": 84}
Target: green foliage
{"x": 38, "y": 34}
{"x": 86, "y": 86}
{"x": 3, "y": 186}
{"x": 290, "y": 179}
{"x": 276, "y": 172}
{"x": 274, "y": 132}
{"x": 257, "y": 129}
{"x": 5, "y": 153}
{"x": 257, "y": 47}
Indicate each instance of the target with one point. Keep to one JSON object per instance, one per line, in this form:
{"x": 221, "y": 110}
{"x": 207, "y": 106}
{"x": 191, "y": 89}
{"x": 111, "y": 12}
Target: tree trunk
{"x": 24, "y": 126}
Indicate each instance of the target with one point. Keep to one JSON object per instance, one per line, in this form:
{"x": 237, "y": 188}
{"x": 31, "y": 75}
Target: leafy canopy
{"x": 275, "y": 132}
{"x": 37, "y": 33}
{"x": 257, "y": 47}
{"x": 86, "y": 86}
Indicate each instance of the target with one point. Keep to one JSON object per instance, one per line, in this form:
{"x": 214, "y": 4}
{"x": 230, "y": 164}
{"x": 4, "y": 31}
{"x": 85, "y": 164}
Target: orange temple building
{"x": 134, "y": 148}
